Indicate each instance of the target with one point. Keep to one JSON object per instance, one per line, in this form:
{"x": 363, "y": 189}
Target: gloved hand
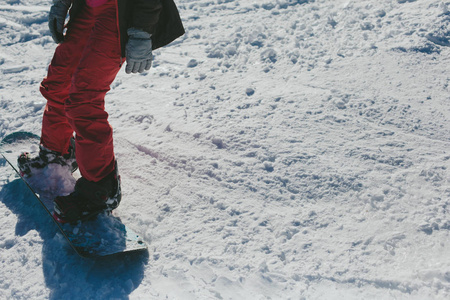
{"x": 57, "y": 18}
{"x": 138, "y": 51}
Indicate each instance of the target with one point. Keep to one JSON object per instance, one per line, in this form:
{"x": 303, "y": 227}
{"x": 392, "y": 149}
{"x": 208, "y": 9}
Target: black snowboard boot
{"x": 89, "y": 199}
{"x": 26, "y": 164}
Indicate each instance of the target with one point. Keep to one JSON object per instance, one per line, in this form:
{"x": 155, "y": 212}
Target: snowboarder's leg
{"x": 85, "y": 107}
{"x": 56, "y": 146}
{"x": 56, "y": 131}
{"x": 99, "y": 187}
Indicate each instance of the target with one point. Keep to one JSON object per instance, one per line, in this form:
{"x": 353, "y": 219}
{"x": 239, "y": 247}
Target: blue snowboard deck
{"x": 101, "y": 236}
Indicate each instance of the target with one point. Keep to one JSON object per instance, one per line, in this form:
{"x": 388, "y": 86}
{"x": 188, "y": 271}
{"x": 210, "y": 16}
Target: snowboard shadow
{"x": 67, "y": 275}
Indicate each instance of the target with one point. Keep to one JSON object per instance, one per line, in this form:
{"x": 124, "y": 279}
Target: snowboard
{"x": 102, "y": 235}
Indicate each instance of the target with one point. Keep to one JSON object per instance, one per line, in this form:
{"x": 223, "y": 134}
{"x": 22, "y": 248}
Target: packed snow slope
{"x": 287, "y": 149}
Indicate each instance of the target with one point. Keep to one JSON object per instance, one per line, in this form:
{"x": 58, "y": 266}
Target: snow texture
{"x": 287, "y": 149}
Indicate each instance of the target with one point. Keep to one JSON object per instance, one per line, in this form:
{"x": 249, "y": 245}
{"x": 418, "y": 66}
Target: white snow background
{"x": 284, "y": 149}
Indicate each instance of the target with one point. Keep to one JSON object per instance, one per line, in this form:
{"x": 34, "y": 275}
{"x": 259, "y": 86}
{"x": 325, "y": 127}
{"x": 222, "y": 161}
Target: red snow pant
{"x": 79, "y": 76}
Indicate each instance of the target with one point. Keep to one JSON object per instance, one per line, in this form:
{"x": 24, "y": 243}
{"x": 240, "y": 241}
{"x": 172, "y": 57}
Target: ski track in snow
{"x": 289, "y": 149}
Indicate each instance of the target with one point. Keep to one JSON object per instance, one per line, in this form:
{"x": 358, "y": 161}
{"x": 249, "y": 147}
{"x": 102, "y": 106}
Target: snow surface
{"x": 287, "y": 149}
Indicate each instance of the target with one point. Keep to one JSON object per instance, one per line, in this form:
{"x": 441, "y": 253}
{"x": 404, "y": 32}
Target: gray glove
{"x": 138, "y": 51}
{"x": 57, "y": 18}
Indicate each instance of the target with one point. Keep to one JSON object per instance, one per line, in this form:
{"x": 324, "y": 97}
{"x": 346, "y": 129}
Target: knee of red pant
{"x": 95, "y": 79}
{"x": 88, "y": 106}
{"x": 55, "y": 94}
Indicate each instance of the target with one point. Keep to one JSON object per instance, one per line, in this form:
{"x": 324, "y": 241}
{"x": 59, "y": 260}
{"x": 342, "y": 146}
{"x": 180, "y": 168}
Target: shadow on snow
{"x": 67, "y": 275}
